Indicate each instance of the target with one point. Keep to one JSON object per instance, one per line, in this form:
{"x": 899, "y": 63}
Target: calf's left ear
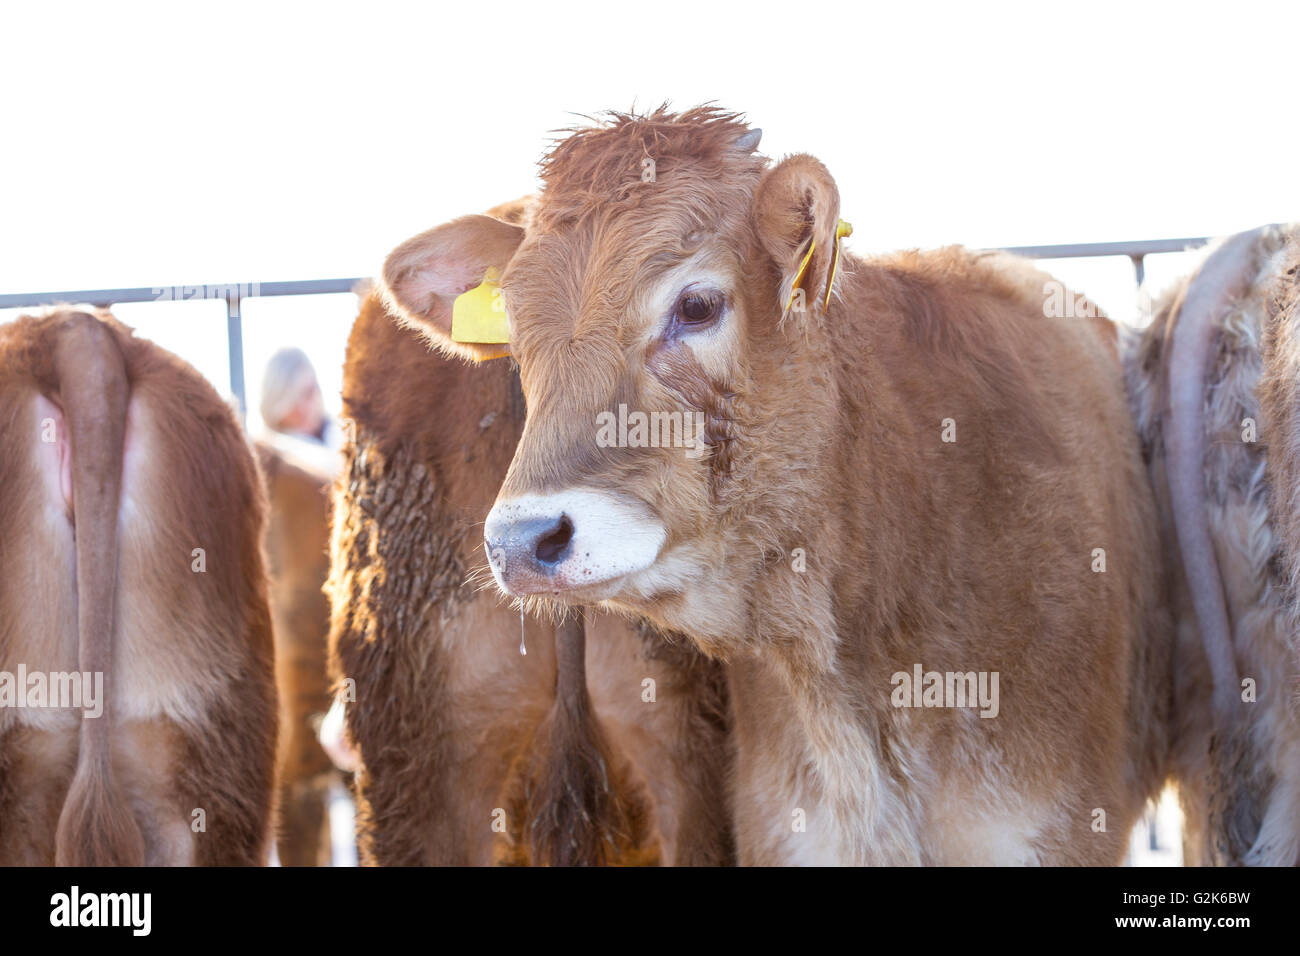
{"x": 424, "y": 276}
{"x": 797, "y": 216}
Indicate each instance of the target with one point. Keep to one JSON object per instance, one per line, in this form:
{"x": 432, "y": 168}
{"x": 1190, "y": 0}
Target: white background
{"x": 160, "y": 144}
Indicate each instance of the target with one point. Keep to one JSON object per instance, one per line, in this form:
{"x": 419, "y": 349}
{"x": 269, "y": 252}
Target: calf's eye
{"x": 698, "y": 308}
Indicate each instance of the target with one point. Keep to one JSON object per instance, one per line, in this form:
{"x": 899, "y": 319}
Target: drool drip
{"x": 522, "y": 649}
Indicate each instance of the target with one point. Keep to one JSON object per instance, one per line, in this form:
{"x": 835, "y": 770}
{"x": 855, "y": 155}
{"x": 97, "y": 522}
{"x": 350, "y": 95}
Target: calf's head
{"x": 665, "y": 298}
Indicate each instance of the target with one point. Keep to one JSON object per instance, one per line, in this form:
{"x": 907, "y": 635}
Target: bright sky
{"x": 160, "y": 144}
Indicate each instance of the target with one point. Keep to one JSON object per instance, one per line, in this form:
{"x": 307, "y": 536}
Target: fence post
{"x": 1139, "y": 267}
{"x": 235, "y": 342}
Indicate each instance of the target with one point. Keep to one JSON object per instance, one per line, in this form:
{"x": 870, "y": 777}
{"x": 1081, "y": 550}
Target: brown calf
{"x": 911, "y": 467}
{"x": 1214, "y": 386}
{"x": 471, "y": 752}
{"x": 297, "y": 552}
{"x": 132, "y": 516}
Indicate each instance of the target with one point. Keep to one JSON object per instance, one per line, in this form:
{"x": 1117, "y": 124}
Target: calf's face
{"x": 660, "y": 367}
{"x": 631, "y": 370}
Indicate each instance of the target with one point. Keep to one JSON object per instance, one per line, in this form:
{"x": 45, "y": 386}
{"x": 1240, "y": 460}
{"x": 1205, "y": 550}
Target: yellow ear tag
{"x": 798, "y": 276}
{"x": 479, "y": 315}
{"x": 842, "y": 229}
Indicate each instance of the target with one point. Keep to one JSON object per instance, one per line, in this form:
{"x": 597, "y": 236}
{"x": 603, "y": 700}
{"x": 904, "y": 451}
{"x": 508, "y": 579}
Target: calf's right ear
{"x": 423, "y": 277}
{"x": 796, "y": 212}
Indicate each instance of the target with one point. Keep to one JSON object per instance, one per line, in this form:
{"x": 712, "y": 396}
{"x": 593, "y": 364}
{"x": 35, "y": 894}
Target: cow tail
{"x": 1223, "y": 278}
{"x": 96, "y": 826}
{"x": 576, "y": 818}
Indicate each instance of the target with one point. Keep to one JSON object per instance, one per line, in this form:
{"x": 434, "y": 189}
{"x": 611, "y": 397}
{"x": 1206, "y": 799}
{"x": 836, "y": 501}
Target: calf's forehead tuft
{"x": 593, "y": 167}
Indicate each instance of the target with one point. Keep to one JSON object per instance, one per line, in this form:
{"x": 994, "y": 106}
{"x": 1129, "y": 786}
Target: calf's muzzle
{"x": 570, "y": 540}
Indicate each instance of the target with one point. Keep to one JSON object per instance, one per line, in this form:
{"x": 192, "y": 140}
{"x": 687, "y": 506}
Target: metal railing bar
{"x": 1085, "y": 250}
{"x": 179, "y": 293}
{"x": 1135, "y": 249}
{"x": 233, "y": 293}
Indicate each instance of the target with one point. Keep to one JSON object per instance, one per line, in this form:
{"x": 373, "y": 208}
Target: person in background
{"x": 299, "y": 454}
{"x": 292, "y": 402}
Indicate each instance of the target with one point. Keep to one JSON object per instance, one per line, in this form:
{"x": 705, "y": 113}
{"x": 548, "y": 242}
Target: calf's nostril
{"x": 551, "y": 547}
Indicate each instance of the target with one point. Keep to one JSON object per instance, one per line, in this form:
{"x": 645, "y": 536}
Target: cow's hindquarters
{"x": 134, "y": 633}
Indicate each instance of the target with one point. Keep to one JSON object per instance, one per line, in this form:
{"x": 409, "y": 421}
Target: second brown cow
{"x": 471, "y": 752}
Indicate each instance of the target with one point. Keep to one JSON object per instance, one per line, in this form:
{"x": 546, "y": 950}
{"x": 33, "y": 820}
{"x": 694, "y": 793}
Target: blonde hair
{"x": 288, "y": 376}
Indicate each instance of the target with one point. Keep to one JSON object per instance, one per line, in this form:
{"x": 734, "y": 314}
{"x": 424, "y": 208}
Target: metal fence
{"x": 234, "y": 293}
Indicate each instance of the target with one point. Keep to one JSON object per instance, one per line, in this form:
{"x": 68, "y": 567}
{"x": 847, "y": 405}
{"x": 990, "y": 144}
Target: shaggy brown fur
{"x": 1239, "y": 773}
{"x": 297, "y": 551}
{"x": 973, "y": 555}
{"x": 158, "y": 467}
{"x": 455, "y": 729}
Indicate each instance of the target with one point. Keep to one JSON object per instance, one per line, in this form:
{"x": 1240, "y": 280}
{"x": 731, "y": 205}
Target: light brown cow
{"x": 297, "y": 551}
{"x": 1214, "y": 384}
{"x": 912, "y": 469}
{"x": 472, "y": 753}
{"x": 132, "y": 515}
